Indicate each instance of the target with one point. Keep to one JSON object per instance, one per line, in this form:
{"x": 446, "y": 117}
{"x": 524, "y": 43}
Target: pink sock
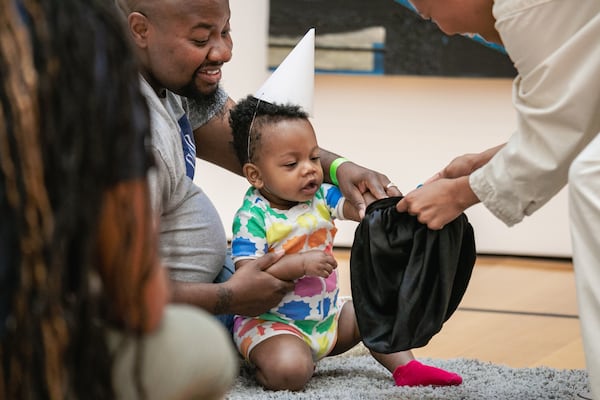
{"x": 416, "y": 374}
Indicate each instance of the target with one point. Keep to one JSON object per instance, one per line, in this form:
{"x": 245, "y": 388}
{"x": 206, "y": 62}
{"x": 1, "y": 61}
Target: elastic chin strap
{"x": 250, "y": 131}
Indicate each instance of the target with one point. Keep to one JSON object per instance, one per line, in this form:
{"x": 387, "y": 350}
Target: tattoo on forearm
{"x": 223, "y": 303}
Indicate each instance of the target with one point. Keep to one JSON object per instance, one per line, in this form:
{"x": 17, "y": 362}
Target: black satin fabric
{"x": 406, "y": 279}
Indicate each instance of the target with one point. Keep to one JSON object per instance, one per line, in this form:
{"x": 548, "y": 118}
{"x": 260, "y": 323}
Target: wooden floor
{"x": 519, "y": 312}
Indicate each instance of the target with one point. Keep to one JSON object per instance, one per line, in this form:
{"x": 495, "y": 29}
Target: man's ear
{"x": 252, "y": 174}
{"x": 138, "y": 26}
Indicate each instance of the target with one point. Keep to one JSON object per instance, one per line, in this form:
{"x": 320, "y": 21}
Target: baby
{"x": 288, "y": 208}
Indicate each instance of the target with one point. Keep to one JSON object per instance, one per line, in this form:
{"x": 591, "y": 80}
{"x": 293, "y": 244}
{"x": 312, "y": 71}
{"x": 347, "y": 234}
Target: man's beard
{"x": 191, "y": 92}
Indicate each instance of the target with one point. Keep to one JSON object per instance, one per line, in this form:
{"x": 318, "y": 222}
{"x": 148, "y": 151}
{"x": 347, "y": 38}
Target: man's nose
{"x": 221, "y": 51}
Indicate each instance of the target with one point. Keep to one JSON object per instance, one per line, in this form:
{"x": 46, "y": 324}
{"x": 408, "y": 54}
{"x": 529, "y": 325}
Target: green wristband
{"x": 333, "y": 169}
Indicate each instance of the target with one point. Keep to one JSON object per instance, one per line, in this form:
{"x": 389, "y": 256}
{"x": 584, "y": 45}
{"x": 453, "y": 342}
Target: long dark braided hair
{"x": 72, "y": 122}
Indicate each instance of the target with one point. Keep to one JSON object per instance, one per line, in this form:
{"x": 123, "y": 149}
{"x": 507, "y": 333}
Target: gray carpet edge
{"x": 356, "y": 375}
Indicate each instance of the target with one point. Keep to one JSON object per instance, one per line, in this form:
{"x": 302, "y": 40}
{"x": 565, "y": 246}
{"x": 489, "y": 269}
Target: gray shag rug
{"x": 356, "y": 375}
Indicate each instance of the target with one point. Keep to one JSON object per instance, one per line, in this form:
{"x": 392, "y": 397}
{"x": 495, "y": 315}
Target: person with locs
{"x": 84, "y": 297}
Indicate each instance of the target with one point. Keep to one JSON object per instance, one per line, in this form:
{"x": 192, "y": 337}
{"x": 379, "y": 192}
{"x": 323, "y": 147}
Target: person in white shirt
{"x": 556, "y": 95}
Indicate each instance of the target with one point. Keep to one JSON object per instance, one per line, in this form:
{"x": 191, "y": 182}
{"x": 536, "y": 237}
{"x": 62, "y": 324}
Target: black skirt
{"x": 406, "y": 279}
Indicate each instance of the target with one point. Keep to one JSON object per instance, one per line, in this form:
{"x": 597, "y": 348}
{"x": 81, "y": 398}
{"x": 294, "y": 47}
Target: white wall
{"x": 407, "y": 127}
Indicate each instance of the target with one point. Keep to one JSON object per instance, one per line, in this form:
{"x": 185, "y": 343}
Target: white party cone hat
{"x": 293, "y": 82}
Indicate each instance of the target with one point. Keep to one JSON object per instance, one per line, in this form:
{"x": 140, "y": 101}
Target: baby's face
{"x": 289, "y": 162}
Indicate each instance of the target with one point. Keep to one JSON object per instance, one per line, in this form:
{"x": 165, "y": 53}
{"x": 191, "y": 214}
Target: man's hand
{"x": 254, "y": 291}
{"x": 361, "y": 186}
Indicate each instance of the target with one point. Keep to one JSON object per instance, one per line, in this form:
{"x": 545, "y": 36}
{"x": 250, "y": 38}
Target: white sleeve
{"x": 557, "y": 99}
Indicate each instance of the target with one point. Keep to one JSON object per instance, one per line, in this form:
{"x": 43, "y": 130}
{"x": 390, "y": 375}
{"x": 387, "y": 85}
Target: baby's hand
{"x": 318, "y": 263}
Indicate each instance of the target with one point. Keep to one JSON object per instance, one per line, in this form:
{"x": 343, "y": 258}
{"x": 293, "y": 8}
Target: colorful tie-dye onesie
{"x": 311, "y": 310}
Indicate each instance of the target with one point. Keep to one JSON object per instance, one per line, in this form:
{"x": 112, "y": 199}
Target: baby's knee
{"x": 287, "y": 373}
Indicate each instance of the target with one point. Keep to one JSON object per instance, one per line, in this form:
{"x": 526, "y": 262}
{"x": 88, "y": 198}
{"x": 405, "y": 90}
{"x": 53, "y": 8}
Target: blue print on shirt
{"x": 333, "y": 196}
{"x": 189, "y": 146}
{"x": 243, "y": 247}
{"x": 326, "y": 306}
{"x": 296, "y": 310}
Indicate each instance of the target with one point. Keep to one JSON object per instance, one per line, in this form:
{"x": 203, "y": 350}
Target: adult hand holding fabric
{"x": 406, "y": 279}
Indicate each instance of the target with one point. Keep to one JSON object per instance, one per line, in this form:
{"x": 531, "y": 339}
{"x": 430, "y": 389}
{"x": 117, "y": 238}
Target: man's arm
{"x": 250, "y": 291}
{"x": 213, "y": 144}
{"x": 359, "y": 185}
{"x": 213, "y": 141}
